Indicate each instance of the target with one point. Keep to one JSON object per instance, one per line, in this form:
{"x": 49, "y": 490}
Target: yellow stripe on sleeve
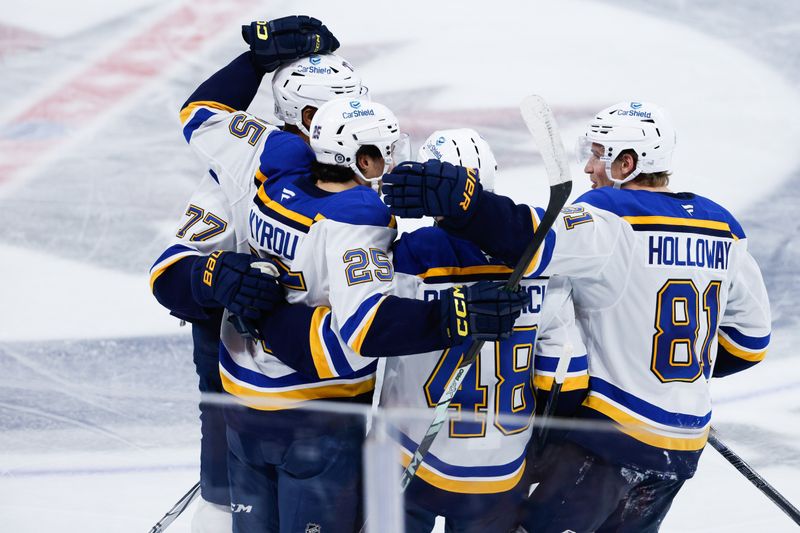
{"x": 570, "y": 384}
{"x": 315, "y": 338}
{"x": 465, "y": 271}
{"x": 164, "y": 266}
{"x": 187, "y": 111}
{"x": 534, "y": 264}
{"x": 359, "y": 340}
{"x": 753, "y": 357}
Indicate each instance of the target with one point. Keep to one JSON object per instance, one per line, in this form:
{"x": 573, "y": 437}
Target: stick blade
{"x": 542, "y": 125}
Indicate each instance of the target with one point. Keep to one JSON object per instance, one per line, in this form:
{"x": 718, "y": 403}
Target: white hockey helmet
{"x": 464, "y": 147}
{"x": 642, "y": 127}
{"x": 340, "y": 127}
{"x": 312, "y": 81}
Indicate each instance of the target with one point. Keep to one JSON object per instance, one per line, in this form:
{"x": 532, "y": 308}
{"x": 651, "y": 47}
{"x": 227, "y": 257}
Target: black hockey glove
{"x": 282, "y": 40}
{"x": 483, "y": 311}
{"x": 245, "y": 285}
{"x": 433, "y": 188}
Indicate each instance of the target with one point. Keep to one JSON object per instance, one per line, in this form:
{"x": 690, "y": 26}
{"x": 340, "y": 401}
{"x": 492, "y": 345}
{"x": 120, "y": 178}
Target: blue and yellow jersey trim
{"x": 489, "y": 479}
{"x": 356, "y": 328}
{"x": 329, "y": 359}
{"x": 257, "y": 390}
{"x": 171, "y": 255}
{"x": 277, "y": 211}
{"x": 194, "y": 114}
{"x": 464, "y": 274}
{"x": 544, "y": 254}
{"x": 749, "y": 348}
{"x": 646, "y": 422}
{"x": 577, "y": 377}
{"x": 713, "y": 228}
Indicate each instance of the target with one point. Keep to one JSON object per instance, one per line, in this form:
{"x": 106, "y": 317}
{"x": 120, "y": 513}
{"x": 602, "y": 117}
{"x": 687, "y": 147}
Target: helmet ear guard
{"x": 642, "y": 127}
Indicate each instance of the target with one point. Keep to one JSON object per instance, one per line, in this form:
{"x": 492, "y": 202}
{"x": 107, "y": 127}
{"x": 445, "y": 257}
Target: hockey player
{"x": 208, "y": 225}
{"x": 666, "y": 295}
{"x": 472, "y": 475}
{"x": 329, "y": 236}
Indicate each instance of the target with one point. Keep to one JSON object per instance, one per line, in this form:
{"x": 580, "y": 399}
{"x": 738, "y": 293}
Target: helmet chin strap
{"x": 302, "y": 128}
{"x": 375, "y": 183}
{"x": 619, "y": 183}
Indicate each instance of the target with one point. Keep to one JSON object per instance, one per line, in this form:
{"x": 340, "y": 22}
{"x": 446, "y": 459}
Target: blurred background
{"x": 98, "y": 428}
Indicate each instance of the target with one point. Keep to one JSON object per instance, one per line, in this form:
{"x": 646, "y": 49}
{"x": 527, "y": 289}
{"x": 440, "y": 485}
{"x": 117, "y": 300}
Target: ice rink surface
{"x": 97, "y": 389}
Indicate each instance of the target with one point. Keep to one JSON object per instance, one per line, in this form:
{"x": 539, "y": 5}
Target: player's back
{"x": 650, "y": 299}
{"x": 483, "y": 452}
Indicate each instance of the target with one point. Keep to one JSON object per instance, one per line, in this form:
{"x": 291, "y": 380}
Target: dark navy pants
{"x": 463, "y": 513}
{"x": 296, "y": 476}
{"x": 580, "y": 491}
{"x": 213, "y": 444}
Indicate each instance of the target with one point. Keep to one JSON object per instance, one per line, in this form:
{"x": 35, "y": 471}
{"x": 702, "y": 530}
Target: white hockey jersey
{"x": 666, "y": 295}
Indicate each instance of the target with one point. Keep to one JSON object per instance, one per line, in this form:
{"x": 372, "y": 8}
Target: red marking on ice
{"x": 14, "y": 39}
{"x": 100, "y": 87}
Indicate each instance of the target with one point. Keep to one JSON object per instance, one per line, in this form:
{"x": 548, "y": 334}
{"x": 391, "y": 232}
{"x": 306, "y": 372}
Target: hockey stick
{"x": 177, "y": 509}
{"x": 552, "y": 399}
{"x": 754, "y": 477}
{"x": 540, "y": 122}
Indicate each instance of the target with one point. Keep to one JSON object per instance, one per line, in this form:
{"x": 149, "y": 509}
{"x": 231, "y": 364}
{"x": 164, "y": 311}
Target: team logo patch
{"x": 313, "y": 528}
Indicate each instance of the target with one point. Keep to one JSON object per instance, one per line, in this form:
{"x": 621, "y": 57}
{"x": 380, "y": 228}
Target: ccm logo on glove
{"x": 461, "y": 311}
{"x": 211, "y": 264}
{"x": 469, "y": 188}
{"x": 261, "y": 30}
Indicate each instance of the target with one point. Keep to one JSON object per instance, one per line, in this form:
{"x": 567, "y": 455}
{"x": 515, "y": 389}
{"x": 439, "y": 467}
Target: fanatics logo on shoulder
{"x": 313, "y": 528}
{"x": 689, "y": 208}
{"x": 286, "y": 194}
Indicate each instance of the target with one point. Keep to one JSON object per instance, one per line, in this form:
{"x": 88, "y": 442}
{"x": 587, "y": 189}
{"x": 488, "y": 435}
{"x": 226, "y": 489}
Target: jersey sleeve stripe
{"x": 336, "y": 355}
{"x": 450, "y": 272}
{"x": 197, "y": 120}
{"x": 260, "y": 177}
{"x": 190, "y": 108}
{"x": 646, "y": 409}
{"x": 640, "y": 431}
{"x": 732, "y": 349}
{"x": 549, "y": 363}
{"x": 352, "y": 324}
{"x": 318, "y": 353}
{"x": 746, "y": 342}
{"x": 171, "y": 255}
{"x": 358, "y": 341}
{"x": 544, "y": 382}
{"x": 540, "y": 260}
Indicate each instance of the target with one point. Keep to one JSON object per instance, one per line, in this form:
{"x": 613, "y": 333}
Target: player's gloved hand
{"x": 282, "y": 40}
{"x": 483, "y": 311}
{"x": 433, "y": 188}
{"x": 245, "y": 285}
